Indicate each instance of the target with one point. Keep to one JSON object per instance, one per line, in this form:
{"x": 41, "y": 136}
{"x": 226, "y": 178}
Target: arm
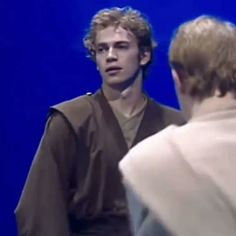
{"x": 142, "y": 220}
{"x": 42, "y": 209}
{"x": 136, "y": 209}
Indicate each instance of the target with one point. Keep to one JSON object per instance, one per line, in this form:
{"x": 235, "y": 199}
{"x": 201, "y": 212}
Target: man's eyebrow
{"x": 122, "y": 42}
{"x": 114, "y": 43}
{"x": 102, "y": 44}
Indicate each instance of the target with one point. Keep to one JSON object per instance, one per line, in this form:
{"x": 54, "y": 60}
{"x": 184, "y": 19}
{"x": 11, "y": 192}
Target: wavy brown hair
{"x": 203, "y": 53}
{"x": 130, "y": 19}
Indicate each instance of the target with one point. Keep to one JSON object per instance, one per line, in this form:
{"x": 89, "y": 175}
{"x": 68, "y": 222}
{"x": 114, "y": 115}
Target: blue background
{"x": 42, "y": 62}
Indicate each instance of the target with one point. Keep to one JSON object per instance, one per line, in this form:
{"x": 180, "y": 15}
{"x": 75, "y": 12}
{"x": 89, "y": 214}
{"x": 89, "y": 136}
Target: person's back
{"x": 190, "y": 189}
{"x": 188, "y": 182}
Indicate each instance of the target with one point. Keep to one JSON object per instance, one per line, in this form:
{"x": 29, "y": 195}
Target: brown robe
{"x": 74, "y": 186}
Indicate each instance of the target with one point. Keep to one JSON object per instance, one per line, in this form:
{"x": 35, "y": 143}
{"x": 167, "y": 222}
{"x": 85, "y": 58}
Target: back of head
{"x": 130, "y": 19}
{"x": 203, "y": 53}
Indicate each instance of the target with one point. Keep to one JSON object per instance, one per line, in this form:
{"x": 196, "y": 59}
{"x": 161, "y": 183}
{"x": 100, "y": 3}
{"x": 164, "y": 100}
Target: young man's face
{"x": 117, "y": 55}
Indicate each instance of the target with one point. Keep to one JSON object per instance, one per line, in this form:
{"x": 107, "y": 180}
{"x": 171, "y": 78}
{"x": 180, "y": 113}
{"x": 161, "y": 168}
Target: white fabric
{"x": 187, "y": 175}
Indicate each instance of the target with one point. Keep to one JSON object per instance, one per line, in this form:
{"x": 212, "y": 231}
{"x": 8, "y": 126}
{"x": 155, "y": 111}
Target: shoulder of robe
{"x": 170, "y": 115}
{"x": 76, "y": 110}
{"x": 174, "y": 116}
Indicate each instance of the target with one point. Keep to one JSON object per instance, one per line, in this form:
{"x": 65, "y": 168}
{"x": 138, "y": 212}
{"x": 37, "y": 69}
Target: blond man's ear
{"x": 179, "y": 81}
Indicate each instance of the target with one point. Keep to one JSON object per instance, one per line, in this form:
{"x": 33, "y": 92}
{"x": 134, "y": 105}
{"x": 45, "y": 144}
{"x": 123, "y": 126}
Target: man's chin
{"x": 118, "y": 84}
{"x": 115, "y": 81}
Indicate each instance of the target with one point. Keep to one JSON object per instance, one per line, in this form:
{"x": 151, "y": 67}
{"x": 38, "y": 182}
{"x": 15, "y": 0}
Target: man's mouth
{"x": 113, "y": 69}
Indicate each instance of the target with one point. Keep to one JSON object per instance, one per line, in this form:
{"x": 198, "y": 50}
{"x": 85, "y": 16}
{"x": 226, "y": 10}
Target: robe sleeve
{"x": 43, "y": 206}
{"x": 143, "y": 222}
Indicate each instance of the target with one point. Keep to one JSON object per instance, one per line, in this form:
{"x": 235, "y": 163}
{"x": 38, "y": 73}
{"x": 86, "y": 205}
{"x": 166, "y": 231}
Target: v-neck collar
{"x": 111, "y": 121}
{"x": 149, "y": 124}
{"x": 146, "y": 128}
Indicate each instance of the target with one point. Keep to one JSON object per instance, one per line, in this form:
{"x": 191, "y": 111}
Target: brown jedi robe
{"x": 74, "y": 186}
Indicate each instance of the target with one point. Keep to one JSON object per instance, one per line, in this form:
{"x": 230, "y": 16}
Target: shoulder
{"x": 76, "y": 105}
{"x": 150, "y": 145}
{"x": 172, "y": 115}
{"x": 169, "y": 114}
{"x": 148, "y": 155}
{"x": 148, "y": 162}
{"x": 76, "y": 111}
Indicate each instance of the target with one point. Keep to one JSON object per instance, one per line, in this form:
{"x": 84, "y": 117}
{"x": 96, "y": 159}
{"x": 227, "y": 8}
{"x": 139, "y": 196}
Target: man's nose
{"x": 111, "y": 55}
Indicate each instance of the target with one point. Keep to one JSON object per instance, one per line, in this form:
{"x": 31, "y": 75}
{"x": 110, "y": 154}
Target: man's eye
{"x": 122, "y": 46}
{"x": 101, "y": 50}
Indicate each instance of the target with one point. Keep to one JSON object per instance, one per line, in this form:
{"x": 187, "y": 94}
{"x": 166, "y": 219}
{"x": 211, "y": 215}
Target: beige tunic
{"x": 187, "y": 175}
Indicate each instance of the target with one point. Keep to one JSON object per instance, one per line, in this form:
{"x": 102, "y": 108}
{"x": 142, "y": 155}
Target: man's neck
{"x": 213, "y": 104}
{"x": 129, "y": 101}
{"x": 193, "y": 108}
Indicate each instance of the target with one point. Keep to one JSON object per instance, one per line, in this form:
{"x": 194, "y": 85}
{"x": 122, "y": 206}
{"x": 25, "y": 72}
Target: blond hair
{"x": 203, "y": 53}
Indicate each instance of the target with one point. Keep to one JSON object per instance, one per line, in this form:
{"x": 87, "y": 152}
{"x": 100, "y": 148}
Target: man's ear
{"x": 145, "y": 57}
{"x": 178, "y": 80}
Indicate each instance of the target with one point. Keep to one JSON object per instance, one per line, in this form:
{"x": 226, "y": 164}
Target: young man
{"x": 186, "y": 175}
{"x": 74, "y": 186}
